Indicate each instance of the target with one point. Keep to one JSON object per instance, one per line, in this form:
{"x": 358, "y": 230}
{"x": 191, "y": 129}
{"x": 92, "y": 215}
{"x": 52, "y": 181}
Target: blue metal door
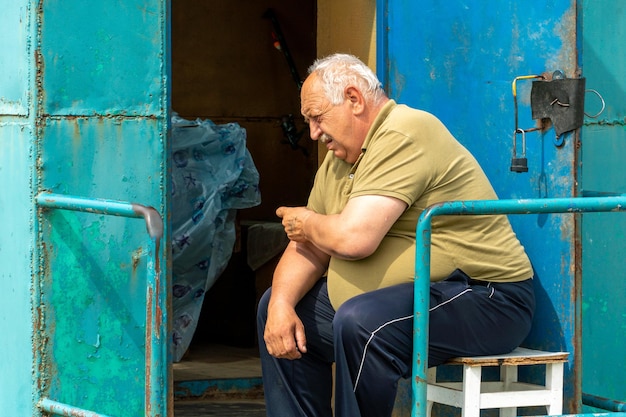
{"x": 84, "y": 103}
{"x": 459, "y": 60}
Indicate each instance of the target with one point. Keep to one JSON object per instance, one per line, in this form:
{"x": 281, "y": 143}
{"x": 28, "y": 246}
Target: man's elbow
{"x": 353, "y": 251}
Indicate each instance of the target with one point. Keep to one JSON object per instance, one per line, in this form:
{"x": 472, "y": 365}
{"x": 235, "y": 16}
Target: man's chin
{"x": 339, "y": 154}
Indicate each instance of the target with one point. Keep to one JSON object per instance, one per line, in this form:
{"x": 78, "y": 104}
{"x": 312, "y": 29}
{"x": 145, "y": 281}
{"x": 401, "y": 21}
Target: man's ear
{"x": 357, "y": 102}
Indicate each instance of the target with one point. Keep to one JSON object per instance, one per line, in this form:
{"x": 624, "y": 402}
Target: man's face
{"x": 333, "y": 125}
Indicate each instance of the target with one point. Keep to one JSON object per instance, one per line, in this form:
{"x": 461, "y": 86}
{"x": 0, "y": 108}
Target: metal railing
{"x": 422, "y": 263}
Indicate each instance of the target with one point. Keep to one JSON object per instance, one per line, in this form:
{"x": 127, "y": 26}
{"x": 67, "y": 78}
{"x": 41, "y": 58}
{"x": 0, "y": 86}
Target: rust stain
{"x": 567, "y": 30}
{"x": 76, "y": 123}
{"x": 40, "y": 338}
{"x": 148, "y": 343}
{"x": 419, "y": 380}
{"x": 135, "y": 258}
{"x": 159, "y": 312}
{"x": 157, "y": 258}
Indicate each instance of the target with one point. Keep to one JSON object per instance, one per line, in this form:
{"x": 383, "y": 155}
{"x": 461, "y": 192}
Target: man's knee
{"x": 348, "y": 318}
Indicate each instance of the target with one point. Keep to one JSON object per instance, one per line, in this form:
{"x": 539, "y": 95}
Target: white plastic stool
{"x": 473, "y": 395}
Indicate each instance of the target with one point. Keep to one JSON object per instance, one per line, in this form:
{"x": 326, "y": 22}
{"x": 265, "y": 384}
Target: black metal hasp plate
{"x": 560, "y": 100}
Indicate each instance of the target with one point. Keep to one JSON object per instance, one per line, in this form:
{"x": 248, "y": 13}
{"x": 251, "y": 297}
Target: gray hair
{"x": 337, "y": 71}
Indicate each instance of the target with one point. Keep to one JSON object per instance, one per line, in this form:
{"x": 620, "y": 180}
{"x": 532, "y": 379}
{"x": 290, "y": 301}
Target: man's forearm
{"x": 355, "y": 233}
{"x": 332, "y": 236}
{"x": 300, "y": 267}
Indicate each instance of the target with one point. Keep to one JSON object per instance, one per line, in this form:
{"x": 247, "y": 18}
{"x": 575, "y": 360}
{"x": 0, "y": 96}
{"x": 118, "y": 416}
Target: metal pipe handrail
{"x": 421, "y": 295}
{"x": 603, "y": 403}
{"x": 156, "y": 299}
{"x": 60, "y": 409}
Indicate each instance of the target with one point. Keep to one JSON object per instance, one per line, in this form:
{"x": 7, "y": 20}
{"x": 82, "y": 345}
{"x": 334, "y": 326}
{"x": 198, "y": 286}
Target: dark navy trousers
{"x": 369, "y": 338}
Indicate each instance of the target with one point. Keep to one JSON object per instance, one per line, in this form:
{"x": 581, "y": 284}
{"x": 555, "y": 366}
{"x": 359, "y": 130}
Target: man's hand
{"x": 284, "y": 332}
{"x": 293, "y": 220}
{"x": 355, "y": 233}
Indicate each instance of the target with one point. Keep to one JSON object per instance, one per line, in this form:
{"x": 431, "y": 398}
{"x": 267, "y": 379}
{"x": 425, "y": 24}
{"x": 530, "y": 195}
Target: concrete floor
{"x": 212, "y": 361}
{"x": 208, "y": 362}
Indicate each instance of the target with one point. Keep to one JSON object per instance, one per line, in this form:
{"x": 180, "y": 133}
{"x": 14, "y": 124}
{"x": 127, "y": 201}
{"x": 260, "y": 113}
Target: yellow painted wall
{"x": 347, "y": 26}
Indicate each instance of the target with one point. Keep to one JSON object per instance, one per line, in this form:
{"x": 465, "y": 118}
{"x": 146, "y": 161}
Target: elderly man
{"x": 343, "y": 292}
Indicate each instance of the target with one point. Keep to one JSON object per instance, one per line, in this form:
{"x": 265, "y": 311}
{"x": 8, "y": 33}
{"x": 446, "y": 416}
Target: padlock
{"x": 519, "y": 165}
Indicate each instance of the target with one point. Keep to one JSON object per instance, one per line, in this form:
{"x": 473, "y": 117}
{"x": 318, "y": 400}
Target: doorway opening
{"x": 229, "y": 66}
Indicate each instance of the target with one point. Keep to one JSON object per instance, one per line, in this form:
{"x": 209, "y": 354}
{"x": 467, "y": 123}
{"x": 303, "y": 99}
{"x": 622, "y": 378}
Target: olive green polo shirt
{"x": 410, "y": 155}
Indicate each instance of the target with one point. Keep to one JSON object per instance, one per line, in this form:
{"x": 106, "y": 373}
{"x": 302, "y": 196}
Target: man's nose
{"x": 315, "y": 130}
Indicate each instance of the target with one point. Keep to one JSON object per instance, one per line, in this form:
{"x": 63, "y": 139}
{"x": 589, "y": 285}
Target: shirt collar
{"x": 378, "y": 121}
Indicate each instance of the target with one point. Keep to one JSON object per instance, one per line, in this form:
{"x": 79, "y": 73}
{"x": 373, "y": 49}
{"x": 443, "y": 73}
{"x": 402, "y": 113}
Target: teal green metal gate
{"x": 602, "y": 173}
{"x": 84, "y": 103}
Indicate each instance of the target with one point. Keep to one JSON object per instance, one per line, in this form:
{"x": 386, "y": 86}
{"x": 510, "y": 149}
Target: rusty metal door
{"x": 459, "y": 60}
{"x": 84, "y": 102}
